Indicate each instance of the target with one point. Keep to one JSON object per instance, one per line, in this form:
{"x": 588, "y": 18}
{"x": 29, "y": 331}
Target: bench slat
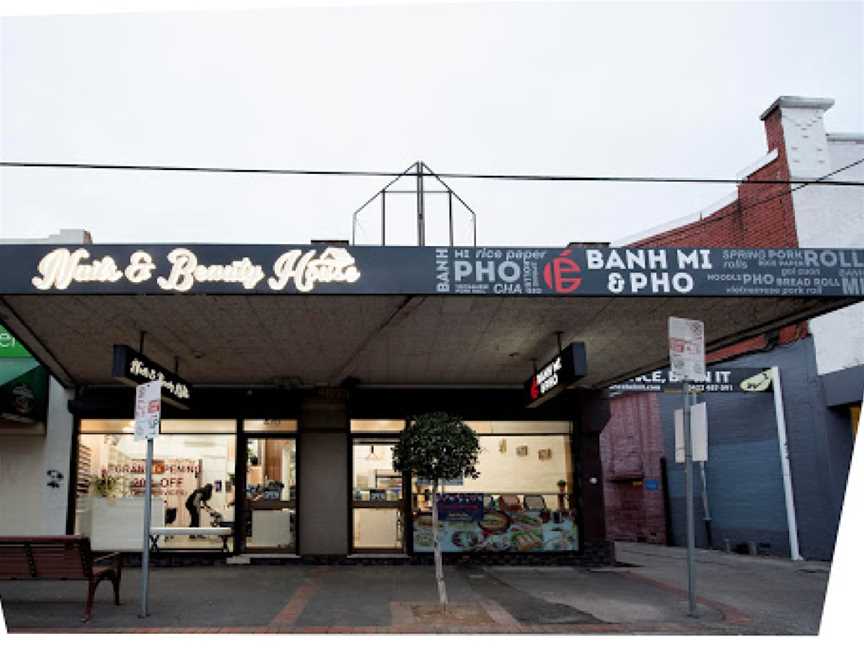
{"x": 60, "y": 557}
{"x": 64, "y": 561}
{"x": 14, "y": 562}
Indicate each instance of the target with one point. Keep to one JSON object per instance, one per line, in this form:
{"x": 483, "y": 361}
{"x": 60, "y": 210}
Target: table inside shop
{"x": 221, "y": 532}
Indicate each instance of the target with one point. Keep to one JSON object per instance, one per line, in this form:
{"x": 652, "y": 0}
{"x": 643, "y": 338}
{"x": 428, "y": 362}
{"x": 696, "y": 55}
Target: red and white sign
{"x": 148, "y": 410}
{"x": 562, "y": 274}
{"x": 687, "y": 348}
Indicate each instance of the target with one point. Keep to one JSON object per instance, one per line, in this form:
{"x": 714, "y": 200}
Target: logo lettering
{"x": 561, "y": 273}
{"x": 335, "y": 265}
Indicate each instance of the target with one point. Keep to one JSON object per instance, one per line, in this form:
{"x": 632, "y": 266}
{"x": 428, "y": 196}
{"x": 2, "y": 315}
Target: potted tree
{"x": 435, "y": 447}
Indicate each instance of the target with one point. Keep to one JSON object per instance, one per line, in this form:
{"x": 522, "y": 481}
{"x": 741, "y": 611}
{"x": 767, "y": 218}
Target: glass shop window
{"x": 377, "y": 497}
{"x": 271, "y": 494}
{"x": 193, "y": 484}
{"x": 522, "y": 501}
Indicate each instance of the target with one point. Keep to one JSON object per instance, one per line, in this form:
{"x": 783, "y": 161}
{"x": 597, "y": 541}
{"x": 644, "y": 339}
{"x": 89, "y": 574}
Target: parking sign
{"x": 687, "y": 348}
{"x": 148, "y": 410}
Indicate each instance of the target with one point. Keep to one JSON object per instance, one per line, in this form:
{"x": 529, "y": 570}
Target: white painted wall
{"x": 827, "y": 217}
{"x": 20, "y": 483}
{"x": 55, "y": 455}
{"x": 27, "y": 504}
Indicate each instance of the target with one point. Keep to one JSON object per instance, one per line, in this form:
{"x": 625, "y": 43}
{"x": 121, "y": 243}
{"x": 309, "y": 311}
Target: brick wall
{"x": 632, "y": 443}
{"x": 631, "y": 447}
{"x": 761, "y": 216}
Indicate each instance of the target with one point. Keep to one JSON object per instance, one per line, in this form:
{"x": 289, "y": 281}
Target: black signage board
{"x": 717, "y": 380}
{"x": 556, "y": 375}
{"x": 367, "y": 270}
{"x": 133, "y": 368}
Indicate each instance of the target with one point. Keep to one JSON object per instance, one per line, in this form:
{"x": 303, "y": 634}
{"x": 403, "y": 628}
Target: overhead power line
{"x": 801, "y": 185}
{"x": 467, "y": 176}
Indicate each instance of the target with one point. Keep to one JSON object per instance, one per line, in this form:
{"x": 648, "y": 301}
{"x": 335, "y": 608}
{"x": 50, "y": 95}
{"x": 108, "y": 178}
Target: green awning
{"x": 10, "y": 347}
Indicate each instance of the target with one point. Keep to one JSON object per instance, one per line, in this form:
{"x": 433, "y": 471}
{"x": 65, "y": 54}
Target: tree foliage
{"x": 437, "y": 446}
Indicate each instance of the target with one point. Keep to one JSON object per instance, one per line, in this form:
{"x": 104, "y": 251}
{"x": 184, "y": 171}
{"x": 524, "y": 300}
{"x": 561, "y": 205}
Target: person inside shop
{"x": 196, "y": 501}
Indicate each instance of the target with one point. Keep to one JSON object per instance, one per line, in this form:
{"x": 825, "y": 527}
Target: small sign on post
{"x": 687, "y": 348}
{"x": 148, "y": 410}
{"x": 698, "y": 433}
{"x": 687, "y": 359}
{"x": 148, "y": 414}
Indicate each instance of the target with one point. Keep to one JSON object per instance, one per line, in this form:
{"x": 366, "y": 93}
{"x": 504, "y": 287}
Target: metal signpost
{"x": 148, "y": 411}
{"x": 688, "y": 495}
{"x": 706, "y": 511}
{"x": 687, "y": 359}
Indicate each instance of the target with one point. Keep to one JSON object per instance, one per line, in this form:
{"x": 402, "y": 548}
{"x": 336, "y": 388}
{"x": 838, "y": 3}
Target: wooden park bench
{"x": 58, "y": 558}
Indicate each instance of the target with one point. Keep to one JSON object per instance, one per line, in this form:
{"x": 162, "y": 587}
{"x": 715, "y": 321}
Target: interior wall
{"x": 503, "y": 469}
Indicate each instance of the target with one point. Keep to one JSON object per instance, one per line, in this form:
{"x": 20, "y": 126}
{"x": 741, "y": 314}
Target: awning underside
{"x": 382, "y": 340}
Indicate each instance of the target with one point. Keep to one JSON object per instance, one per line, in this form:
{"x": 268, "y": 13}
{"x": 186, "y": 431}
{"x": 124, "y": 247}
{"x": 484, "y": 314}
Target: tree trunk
{"x": 436, "y": 547}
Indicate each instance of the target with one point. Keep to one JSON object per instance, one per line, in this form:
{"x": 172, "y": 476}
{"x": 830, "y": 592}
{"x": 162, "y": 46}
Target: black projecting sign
{"x": 368, "y": 270}
{"x": 717, "y": 380}
{"x": 556, "y": 375}
{"x": 133, "y": 368}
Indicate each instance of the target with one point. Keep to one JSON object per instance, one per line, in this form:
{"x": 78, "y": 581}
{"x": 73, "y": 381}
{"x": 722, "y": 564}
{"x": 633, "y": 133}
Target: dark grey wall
{"x": 323, "y": 493}
{"x": 745, "y": 488}
{"x": 323, "y": 479}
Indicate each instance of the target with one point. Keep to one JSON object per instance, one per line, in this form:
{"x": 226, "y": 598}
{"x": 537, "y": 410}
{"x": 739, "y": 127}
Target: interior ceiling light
{"x": 372, "y": 456}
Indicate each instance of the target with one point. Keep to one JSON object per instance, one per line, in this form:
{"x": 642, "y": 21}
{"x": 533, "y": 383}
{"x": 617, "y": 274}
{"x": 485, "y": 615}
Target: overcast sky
{"x": 589, "y": 89}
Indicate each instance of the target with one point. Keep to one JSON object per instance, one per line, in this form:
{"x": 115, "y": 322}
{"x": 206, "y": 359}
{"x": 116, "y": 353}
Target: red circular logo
{"x": 561, "y": 273}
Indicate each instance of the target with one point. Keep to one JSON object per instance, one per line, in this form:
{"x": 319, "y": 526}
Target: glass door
{"x": 377, "y": 500}
{"x": 271, "y": 495}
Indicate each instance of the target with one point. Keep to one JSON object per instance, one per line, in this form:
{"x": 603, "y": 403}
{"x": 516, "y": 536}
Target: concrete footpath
{"x": 738, "y": 595}
{"x": 778, "y": 595}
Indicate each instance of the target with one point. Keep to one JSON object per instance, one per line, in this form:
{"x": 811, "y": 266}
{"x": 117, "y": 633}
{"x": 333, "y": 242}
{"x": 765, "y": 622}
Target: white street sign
{"x": 698, "y": 430}
{"x": 687, "y": 348}
{"x": 148, "y": 409}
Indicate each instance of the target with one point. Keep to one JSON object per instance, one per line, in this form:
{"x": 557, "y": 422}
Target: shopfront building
{"x": 315, "y": 478}
{"x": 293, "y": 370}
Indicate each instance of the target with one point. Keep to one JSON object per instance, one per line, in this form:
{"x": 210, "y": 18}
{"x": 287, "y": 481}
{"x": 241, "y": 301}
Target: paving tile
{"x": 364, "y": 600}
